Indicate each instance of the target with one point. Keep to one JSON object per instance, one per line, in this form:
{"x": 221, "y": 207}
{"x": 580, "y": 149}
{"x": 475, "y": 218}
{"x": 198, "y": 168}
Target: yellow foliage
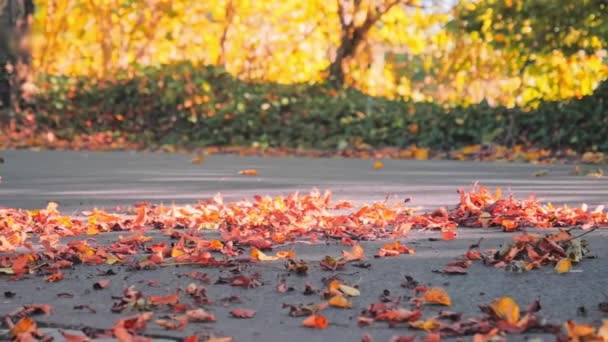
{"x": 294, "y": 41}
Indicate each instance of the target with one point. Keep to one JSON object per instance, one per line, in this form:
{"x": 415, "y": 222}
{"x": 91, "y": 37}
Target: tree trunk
{"x": 353, "y": 33}
{"x": 15, "y": 55}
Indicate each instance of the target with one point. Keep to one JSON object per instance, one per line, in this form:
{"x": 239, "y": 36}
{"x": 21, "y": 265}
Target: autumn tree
{"x": 540, "y": 26}
{"x": 357, "y": 18}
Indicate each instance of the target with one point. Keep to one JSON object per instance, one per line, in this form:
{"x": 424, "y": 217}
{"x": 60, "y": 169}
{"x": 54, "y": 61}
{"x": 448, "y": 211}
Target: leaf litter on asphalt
{"x": 260, "y": 225}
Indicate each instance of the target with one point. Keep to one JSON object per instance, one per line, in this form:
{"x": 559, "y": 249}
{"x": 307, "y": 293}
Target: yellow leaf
{"x": 506, "y": 309}
{"x": 437, "y": 295}
{"x": 340, "y": 302}
{"x": 112, "y": 259}
{"x": 564, "y": 265}
{"x": 427, "y": 325}
{"x": 176, "y": 252}
{"x": 378, "y": 165}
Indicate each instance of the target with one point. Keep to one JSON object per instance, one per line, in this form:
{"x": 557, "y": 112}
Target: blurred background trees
{"x": 459, "y": 52}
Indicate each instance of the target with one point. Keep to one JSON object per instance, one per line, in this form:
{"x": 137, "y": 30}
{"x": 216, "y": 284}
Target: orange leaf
{"x": 437, "y": 295}
{"x": 57, "y": 276}
{"x": 248, "y": 172}
{"x": 73, "y": 337}
{"x": 506, "y": 309}
{"x": 448, "y": 235}
{"x": 356, "y": 253}
{"x": 509, "y": 225}
{"x": 315, "y": 321}
{"x": 171, "y": 299}
{"x": 378, "y": 165}
{"x": 578, "y": 331}
{"x": 340, "y": 302}
{"x": 256, "y": 254}
{"x": 25, "y": 325}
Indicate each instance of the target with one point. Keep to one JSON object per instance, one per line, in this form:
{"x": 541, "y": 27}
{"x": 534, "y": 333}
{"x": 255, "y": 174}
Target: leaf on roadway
{"x": 437, "y": 295}
{"x": 315, "y": 321}
{"x": 506, "y": 309}
{"x": 564, "y": 265}
{"x": 242, "y": 313}
{"x": 339, "y": 301}
{"x": 248, "y": 172}
{"x": 356, "y": 253}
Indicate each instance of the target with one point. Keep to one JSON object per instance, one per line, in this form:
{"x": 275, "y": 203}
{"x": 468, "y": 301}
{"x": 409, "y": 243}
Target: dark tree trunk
{"x": 353, "y": 34}
{"x": 15, "y": 55}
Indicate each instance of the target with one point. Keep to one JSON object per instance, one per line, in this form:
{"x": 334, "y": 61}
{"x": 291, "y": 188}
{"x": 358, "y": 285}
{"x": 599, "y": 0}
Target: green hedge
{"x": 225, "y": 111}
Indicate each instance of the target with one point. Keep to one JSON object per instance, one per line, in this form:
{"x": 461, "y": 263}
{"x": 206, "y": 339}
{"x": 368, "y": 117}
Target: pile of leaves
{"x": 192, "y": 106}
{"x": 31, "y": 243}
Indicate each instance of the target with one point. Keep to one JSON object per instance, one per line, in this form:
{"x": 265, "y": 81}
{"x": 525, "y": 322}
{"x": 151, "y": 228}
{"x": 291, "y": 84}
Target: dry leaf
{"x": 437, "y": 295}
{"x": 378, "y": 165}
{"x": 315, "y": 321}
{"x": 563, "y": 265}
{"x": 340, "y": 301}
{"x": 356, "y": 253}
{"x": 428, "y": 325}
{"x": 242, "y": 313}
{"x": 349, "y": 290}
{"x": 199, "y": 159}
{"x": 248, "y": 172}
{"x": 506, "y": 309}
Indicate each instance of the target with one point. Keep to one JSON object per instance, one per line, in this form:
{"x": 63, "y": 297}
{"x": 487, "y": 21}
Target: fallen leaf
{"x": 541, "y": 173}
{"x": 57, "y": 276}
{"x": 349, "y": 290}
{"x": 437, "y": 295}
{"x": 378, "y": 165}
{"x": 340, "y": 301}
{"x": 248, "y": 172}
{"x": 102, "y": 284}
{"x": 315, "y": 321}
{"x": 563, "y": 265}
{"x": 579, "y": 332}
{"x": 199, "y": 159}
{"x": 506, "y": 309}
{"x": 24, "y": 325}
{"x": 171, "y": 299}
{"x": 242, "y": 313}
{"x": 428, "y": 325}
{"x": 73, "y": 337}
{"x": 200, "y": 315}
{"x": 356, "y": 253}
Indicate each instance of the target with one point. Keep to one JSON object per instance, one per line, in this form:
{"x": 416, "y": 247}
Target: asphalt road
{"x": 82, "y": 180}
